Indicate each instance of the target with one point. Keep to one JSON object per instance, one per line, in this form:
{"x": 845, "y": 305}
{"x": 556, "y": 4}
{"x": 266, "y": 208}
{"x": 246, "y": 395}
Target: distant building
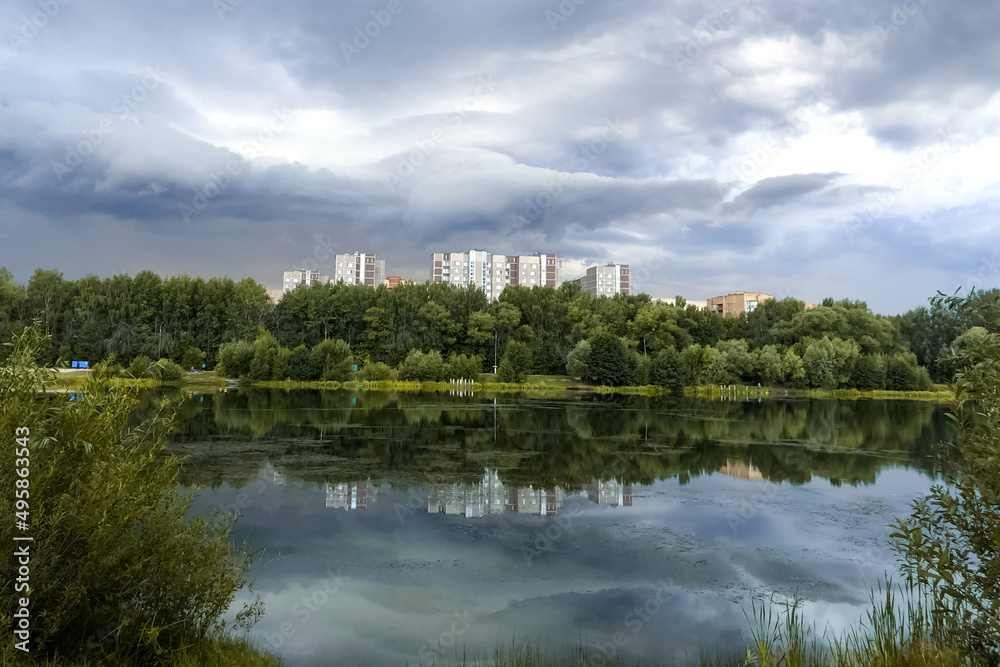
{"x": 302, "y": 277}
{"x": 607, "y": 280}
{"x": 359, "y": 268}
{"x": 492, "y": 273}
{"x": 395, "y": 281}
{"x": 734, "y": 303}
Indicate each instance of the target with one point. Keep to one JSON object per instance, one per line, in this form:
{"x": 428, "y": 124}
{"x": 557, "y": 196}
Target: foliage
{"x": 950, "y": 544}
{"x": 376, "y": 371}
{"x": 515, "y": 362}
{"x": 139, "y": 368}
{"x": 165, "y": 370}
{"x": 423, "y": 367}
{"x": 578, "y": 361}
{"x": 461, "y": 366}
{"x": 302, "y": 365}
{"x": 115, "y": 556}
{"x": 609, "y": 360}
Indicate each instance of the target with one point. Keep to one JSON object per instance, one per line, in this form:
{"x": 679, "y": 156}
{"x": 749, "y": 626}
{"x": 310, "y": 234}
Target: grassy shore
{"x": 70, "y": 380}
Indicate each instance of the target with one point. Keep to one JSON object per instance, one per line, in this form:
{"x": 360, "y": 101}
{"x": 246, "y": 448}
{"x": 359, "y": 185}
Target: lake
{"x": 410, "y": 528}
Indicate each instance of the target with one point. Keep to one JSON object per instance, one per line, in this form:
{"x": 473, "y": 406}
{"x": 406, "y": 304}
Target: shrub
{"x": 115, "y": 554}
{"x": 376, "y": 372}
{"x": 422, "y": 367}
{"x": 463, "y": 366}
{"x": 165, "y": 370}
{"x": 950, "y": 544}
{"x": 578, "y": 361}
{"x": 234, "y": 359}
{"x": 302, "y": 366}
{"x": 139, "y": 368}
{"x": 334, "y": 360}
{"x": 667, "y": 370}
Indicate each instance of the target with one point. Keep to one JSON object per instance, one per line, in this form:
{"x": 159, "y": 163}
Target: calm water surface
{"x": 397, "y": 529}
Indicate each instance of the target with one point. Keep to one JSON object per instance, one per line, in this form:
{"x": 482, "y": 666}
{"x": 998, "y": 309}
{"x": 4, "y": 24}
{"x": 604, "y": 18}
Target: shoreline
{"x": 542, "y": 385}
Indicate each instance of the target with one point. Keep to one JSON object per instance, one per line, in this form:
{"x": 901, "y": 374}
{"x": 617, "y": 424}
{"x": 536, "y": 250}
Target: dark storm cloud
{"x": 778, "y": 191}
{"x": 507, "y": 108}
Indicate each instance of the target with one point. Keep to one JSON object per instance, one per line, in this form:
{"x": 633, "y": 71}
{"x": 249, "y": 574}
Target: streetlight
{"x": 496, "y": 340}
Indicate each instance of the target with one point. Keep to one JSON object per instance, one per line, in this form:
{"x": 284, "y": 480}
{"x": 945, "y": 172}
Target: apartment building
{"x": 359, "y": 268}
{"x": 734, "y": 303}
{"x": 492, "y": 273}
{"x": 607, "y": 280}
{"x": 293, "y": 279}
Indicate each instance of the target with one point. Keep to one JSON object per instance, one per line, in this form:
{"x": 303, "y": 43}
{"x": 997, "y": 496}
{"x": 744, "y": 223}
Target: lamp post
{"x": 496, "y": 340}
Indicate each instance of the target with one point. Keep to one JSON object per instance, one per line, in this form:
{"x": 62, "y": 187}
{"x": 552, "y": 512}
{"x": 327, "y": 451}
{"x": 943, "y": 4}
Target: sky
{"x": 808, "y": 149}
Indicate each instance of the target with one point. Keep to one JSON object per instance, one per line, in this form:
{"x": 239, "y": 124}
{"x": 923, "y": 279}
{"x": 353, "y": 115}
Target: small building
{"x": 735, "y": 303}
{"x": 395, "y": 281}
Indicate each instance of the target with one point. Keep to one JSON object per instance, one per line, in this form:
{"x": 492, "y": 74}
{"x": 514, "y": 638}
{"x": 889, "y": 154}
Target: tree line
{"x": 435, "y": 331}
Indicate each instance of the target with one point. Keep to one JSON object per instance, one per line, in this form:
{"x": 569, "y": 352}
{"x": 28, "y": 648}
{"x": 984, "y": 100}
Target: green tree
{"x": 302, "y": 365}
{"x": 515, "y": 362}
{"x": 609, "y": 360}
{"x": 578, "y": 361}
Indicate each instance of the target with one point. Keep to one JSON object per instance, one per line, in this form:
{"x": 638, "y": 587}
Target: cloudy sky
{"x": 799, "y": 148}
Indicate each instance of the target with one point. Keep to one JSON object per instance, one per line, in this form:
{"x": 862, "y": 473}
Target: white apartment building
{"x": 492, "y": 273}
{"x": 360, "y": 268}
{"x": 607, "y": 280}
{"x": 293, "y": 279}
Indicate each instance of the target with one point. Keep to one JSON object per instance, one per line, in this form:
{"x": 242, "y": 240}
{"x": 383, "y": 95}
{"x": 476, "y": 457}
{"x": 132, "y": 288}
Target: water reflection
{"x": 547, "y": 443}
{"x": 384, "y": 519}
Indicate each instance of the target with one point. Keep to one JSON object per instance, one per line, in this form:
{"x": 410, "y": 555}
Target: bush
{"x": 106, "y": 369}
{"x": 462, "y": 366}
{"x": 302, "y": 366}
{"x": 139, "y": 368}
{"x": 115, "y": 555}
{"x": 422, "y": 367}
{"x": 334, "y": 360}
{"x": 376, "y": 372}
{"x": 514, "y": 363}
{"x": 667, "y": 370}
{"x": 950, "y": 544}
{"x": 234, "y": 359}
{"x": 578, "y": 361}
{"x": 165, "y": 370}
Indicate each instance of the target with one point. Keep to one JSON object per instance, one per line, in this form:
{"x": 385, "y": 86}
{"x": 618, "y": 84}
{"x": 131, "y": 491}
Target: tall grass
{"x": 899, "y": 630}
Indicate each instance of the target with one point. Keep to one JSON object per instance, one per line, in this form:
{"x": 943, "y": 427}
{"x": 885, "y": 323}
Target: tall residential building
{"x": 492, "y": 273}
{"x": 302, "y": 277}
{"x": 735, "y": 303}
{"x": 360, "y": 268}
{"x": 607, "y": 280}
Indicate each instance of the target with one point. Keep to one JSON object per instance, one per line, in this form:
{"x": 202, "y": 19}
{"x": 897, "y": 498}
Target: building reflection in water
{"x": 740, "y": 470}
{"x": 488, "y": 496}
{"x": 351, "y": 495}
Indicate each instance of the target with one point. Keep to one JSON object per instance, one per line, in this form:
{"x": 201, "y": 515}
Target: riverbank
{"x": 69, "y": 380}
